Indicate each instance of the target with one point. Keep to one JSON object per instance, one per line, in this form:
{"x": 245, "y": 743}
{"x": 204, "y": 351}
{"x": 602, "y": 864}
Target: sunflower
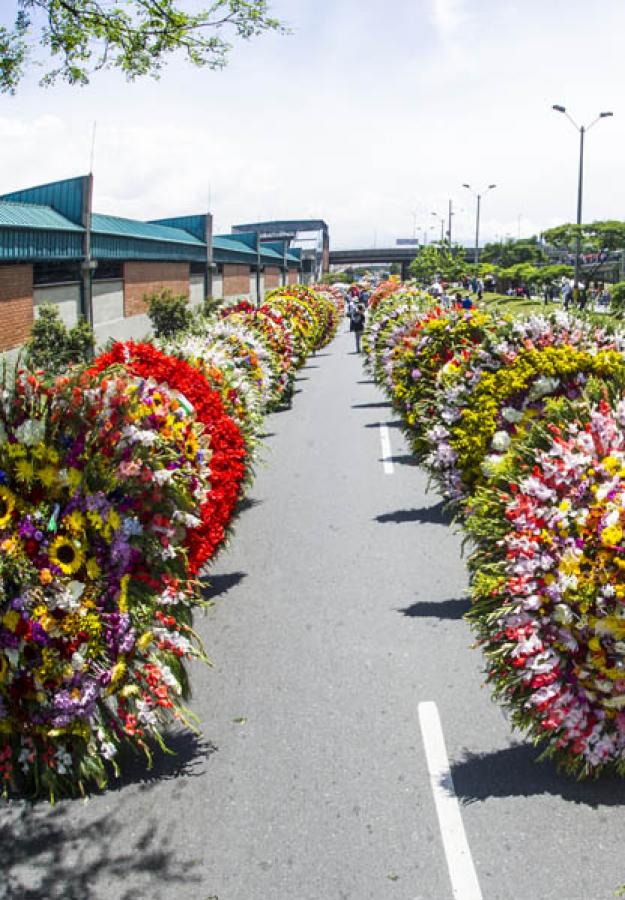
{"x": 7, "y": 505}
{"x": 191, "y": 447}
{"x": 66, "y": 554}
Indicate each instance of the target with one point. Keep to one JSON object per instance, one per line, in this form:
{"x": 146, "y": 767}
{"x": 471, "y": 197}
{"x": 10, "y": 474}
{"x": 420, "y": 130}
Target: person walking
{"x": 357, "y": 323}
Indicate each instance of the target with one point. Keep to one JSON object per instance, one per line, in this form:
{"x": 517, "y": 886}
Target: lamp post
{"x": 442, "y": 221}
{"x": 580, "y": 180}
{"x": 478, "y": 198}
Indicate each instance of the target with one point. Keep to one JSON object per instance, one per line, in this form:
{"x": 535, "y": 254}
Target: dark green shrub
{"x": 52, "y": 347}
{"x": 169, "y": 314}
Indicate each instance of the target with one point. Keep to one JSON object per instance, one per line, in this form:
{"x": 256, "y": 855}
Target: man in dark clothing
{"x": 357, "y": 323}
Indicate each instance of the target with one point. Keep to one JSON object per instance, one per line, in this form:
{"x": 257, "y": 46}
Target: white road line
{"x": 464, "y": 883}
{"x": 387, "y": 453}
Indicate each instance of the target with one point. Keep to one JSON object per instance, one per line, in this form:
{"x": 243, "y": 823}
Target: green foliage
{"x": 605, "y": 235}
{"x": 618, "y": 296}
{"x": 168, "y": 314}
{"x": 438, "y": 260}
{"x": 52, "y": 347}
{"x": 510, "y": 253}
{"x": 135, "y": 36}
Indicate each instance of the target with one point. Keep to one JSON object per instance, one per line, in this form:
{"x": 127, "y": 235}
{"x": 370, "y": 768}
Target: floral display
{"x": 508, "y": 377}
{"x": 101, "y": 480}
{"x": 271, "y": 329}
{"x": 226, "y": 441}
{"x": 549, "y": 584}
{"x": 522, "y": 424}
{"x": 118, "y": 485}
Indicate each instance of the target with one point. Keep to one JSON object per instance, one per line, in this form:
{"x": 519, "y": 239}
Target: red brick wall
{"x": 141, "y": 279}
{"x": 293, "y": 276}
{"x": 272, "y": 278}
{"x": 16, "y": 305}
{"x": 236, "y": 280}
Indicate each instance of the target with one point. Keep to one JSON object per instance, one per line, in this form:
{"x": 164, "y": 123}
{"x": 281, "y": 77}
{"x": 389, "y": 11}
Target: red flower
{"x": 227, "y": 462}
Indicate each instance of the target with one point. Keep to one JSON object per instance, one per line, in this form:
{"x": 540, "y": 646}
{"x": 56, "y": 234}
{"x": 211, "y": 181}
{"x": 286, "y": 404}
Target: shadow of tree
{"x": 437, "y": 609}
{"x": 434, "y": 515}
{"x": 216, "y": 585}
{"x": 366, "y": 381}
{"x": 515, "y": 772}
{"x": 56, "y": 853}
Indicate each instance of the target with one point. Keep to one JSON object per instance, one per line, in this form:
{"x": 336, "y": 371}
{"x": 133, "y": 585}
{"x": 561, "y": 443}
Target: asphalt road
{"x": 337, "y": 610}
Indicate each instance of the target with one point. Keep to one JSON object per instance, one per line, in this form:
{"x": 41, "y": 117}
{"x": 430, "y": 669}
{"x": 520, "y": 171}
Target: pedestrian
{"x": 467, "y": 303}
{"x": 357, "y": 323}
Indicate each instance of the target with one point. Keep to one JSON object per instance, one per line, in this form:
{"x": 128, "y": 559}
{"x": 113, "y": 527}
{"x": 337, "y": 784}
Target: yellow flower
{"x": 123, "y": 594}
{"x": 611, "y": 535}
{"x": 7, "y": 505}
{"x": 74, "y": 478}
{"x": 117, "y": 673}
{"x": 93, "y": 569}
{"x": 75, "y": 522}
{"x": 48, "y": 476}
{"x": 145, "y": 640}
{"x": 66, "y": 554}
{"x": 10, "y": 619}
{"x": 24, "y": 471}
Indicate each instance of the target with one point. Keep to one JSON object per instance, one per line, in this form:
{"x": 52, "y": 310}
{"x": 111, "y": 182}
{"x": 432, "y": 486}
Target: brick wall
{"x": 293, "y": 276}
{"x": 236, "y": 280}
{"x": 142, "y": 279}
{"x": 16, "y": 305}
{"x": 272, "y": 278}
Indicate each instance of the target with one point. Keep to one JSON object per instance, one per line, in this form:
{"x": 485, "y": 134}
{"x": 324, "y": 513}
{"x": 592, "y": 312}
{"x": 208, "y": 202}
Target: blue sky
{"x": 371, "y": 115}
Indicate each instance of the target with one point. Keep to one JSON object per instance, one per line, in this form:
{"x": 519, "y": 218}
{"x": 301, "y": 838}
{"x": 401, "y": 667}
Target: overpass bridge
{"x": 403, "y": 255}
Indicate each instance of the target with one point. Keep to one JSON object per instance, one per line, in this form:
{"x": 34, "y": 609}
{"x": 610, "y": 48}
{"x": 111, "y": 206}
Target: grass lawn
{"x": 519, "y": 306}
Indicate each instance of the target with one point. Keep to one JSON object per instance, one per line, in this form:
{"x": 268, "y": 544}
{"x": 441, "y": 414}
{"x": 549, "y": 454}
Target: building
{"x": 54, "y": 248}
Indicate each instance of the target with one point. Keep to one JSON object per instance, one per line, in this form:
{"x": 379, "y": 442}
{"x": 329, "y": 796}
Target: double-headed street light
{"x": 580, "y": 182}
{"x": 478, "y": 197}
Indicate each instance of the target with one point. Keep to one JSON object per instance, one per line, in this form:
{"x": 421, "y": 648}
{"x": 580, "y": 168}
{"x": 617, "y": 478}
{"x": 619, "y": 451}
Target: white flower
{"x": 512, "y": 415}
{"x": 30, "y": 432}
{"x": 501, "y": 441}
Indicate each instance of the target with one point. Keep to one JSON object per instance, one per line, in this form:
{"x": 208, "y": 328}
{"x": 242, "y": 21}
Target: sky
{"x": 371, "y": 115}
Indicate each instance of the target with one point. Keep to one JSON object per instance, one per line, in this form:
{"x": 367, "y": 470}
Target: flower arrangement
{"x": 227, "y": 444}
{"x": 487, "y": 396}
{"x": 549, "y": 582}
{"x": 102, "y": 476}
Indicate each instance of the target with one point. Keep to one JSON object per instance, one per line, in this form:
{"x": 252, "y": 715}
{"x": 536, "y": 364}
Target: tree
{"x": 595, "y": 236}
{"x": 135, "y": 36}
{"x": 511, "y": 252}
{"x": 438, "y": 259}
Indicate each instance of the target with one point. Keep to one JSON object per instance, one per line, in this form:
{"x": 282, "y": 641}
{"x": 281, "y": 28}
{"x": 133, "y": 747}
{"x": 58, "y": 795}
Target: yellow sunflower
{"x": 66, "y": 554}
{"x": 7, "y": 505}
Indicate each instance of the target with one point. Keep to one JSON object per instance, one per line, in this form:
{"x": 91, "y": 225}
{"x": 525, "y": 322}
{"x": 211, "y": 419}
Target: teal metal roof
{"x": 268, "y": 254}
{"x": 290, "y": 258}
{"x": 34, "y": 216}
{"x": 229, "y": 249}
{"x": 66, "y": 197}
{"x": 145, "y": 231}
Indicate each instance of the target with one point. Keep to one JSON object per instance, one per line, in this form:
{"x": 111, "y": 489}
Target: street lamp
{"x": 580, "y": 181}
{"x": 478, "y": 197}
{"x": 442, "y": 220}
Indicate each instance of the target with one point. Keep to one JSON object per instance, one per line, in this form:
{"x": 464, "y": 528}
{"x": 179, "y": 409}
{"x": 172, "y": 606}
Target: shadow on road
{"x": 366, "y": 381}
{"x": 302, "y": 378}
{"x": 396, "y": 423}
{"x": 57, "y": 852}
{"x": 310, "y": 367}
{"x": 385, "y": 404}
{"x": 514, "y": 772}
{"x": 216, "y": 585}
{"x": 434, "y": 515}
{"x": 246, "y": 503}
{"x": 404, "y": 459}
{"x": 267, "y": 434}
{"x": 437, "y": 609}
